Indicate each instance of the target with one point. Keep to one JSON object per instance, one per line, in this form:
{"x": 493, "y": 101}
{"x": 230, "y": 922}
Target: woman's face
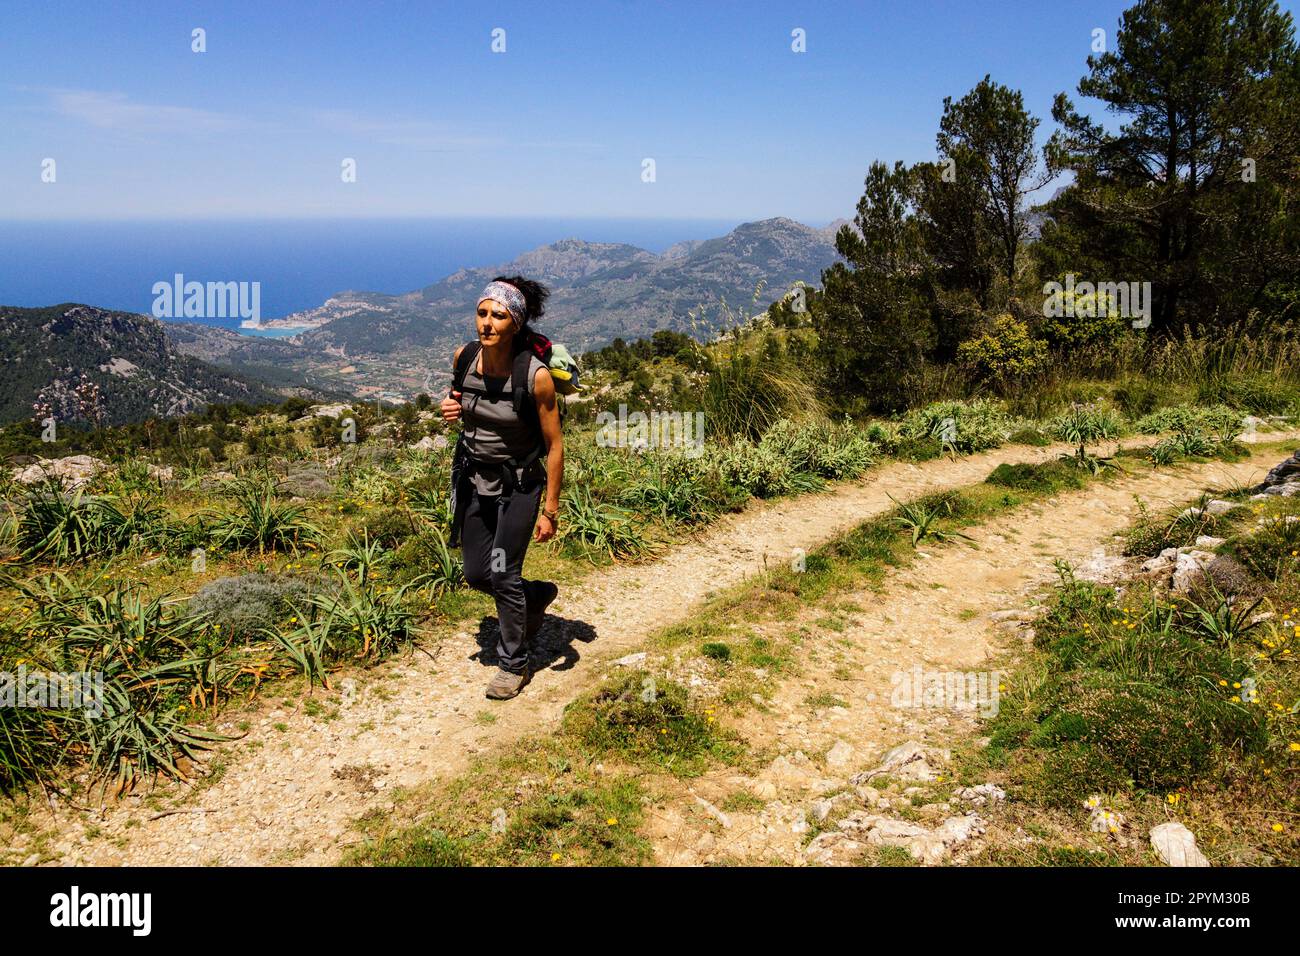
{"x": 495, "y": 327}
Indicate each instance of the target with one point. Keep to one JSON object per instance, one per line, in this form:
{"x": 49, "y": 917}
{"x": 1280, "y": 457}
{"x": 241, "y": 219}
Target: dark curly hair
{"x": 535, "y": 294}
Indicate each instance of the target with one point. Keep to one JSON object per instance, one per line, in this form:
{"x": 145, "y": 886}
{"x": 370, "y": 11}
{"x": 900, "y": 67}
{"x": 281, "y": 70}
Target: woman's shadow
{"x": 552, "y": 644}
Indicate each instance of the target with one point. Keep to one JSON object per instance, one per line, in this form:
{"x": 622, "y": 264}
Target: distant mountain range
{"x": 599, "y": 291}
{"x": 377, "y": 345}
{"x": 47, "y": 353}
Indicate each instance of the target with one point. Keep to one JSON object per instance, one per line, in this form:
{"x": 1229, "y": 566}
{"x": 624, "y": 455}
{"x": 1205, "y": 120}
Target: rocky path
{"x": 954, "y": 610}
{"x": 288, "y": 790}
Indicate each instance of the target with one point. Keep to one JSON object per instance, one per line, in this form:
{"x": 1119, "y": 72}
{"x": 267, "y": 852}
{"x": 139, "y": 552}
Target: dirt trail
{"x": 287, "y": 792}
{"x": 935, "y": 614}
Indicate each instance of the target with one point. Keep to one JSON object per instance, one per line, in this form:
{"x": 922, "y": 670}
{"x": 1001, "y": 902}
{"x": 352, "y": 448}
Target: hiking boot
{"x": 505, "y": 685}
{"x": 534, "y": 623}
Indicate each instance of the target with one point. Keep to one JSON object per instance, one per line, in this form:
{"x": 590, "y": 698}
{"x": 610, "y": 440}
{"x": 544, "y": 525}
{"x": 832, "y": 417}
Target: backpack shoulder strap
{"x": 467, "y": 356}
{"x": 521, "y": 394}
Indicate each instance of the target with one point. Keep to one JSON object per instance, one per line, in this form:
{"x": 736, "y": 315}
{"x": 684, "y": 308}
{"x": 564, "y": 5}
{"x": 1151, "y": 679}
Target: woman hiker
{"x": 510, "y": 453}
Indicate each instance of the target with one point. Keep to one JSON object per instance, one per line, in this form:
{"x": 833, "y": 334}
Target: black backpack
{"x": 525, "y": 407}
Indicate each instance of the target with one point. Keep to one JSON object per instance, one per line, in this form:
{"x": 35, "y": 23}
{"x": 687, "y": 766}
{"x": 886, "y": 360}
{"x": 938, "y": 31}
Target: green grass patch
{"x": 646, "y": 720}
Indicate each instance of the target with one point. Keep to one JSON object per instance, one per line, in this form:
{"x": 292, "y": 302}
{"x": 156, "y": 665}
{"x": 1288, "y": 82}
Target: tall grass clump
{"x": 744, "y": 395}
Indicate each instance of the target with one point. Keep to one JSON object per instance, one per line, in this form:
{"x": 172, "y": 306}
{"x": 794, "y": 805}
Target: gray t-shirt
{"x": 493, "y": 432}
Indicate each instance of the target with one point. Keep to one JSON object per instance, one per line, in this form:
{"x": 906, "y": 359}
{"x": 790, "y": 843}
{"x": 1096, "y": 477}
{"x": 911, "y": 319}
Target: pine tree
{"x": 1207, "y": 91}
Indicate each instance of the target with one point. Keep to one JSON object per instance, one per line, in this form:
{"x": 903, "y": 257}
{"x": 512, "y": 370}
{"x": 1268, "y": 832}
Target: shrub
{"x": 761, "y": 472}
{"x": 307, "y": 483}
{"x": 388, "y": 526}
{"x": 1046, "y": 477}
{"x": 1005, "y": 354}
{"x": 1217, "y": 421}
{"x": 825, "y": 449}
{"x": 1095, "y": 323}
{"x": 680, "y": 489}
{"x": 963, "y": 426}
{"x": 244, "y": 605}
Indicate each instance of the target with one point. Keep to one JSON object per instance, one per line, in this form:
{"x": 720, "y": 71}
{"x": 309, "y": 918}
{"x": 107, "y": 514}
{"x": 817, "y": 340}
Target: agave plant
{"x": 58, "y": 525}
{"x": 144, "y": 653}
{"x": 1163, "y": 452}
{"x": 602, "y": 526}
{"x": 447, "y": 571}
{"x": 1223, "y": 623}
{"x": 353, "y": 614}
{"x": 259, "y": 519}
{"x": 920, "y": 519}
{"x": 1083, "y": 424}
{"x": 361, "y": 556}
{"x": 430, "y": 503}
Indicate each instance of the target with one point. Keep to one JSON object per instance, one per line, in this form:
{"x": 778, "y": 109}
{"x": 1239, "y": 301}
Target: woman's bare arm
{"x": 548, "y": 411}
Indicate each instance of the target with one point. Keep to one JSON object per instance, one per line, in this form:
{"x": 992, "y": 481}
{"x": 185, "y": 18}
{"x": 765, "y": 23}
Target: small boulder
{"x": 840, "y": 755}
{"x": 1176, "y": 845}
{"x": 1101, "y": 568}
{"x": 1213, "y": 508}
{"x": 1189, "y": 567}
{"x": 1162, "y": 563}
{"x": 328, "y": 411}
{"x": 71, "y": 472}
{"x": 832, "y": 849}
{"x": 909, "y": 761}
{"x": 981, "y": 794}
{"x": 1282, "y": 473}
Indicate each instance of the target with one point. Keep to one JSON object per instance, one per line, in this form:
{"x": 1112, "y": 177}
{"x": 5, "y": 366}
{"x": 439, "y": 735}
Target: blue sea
{"x": 299, "y": 263}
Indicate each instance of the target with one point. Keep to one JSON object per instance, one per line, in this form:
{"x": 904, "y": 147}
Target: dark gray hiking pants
{"x": 494, "y": 540}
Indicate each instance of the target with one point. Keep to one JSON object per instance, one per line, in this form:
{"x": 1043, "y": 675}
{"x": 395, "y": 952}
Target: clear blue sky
{"x": 739, "y": 126}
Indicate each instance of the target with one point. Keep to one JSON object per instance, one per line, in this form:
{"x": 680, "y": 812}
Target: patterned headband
{"x": 508, "y": 296}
